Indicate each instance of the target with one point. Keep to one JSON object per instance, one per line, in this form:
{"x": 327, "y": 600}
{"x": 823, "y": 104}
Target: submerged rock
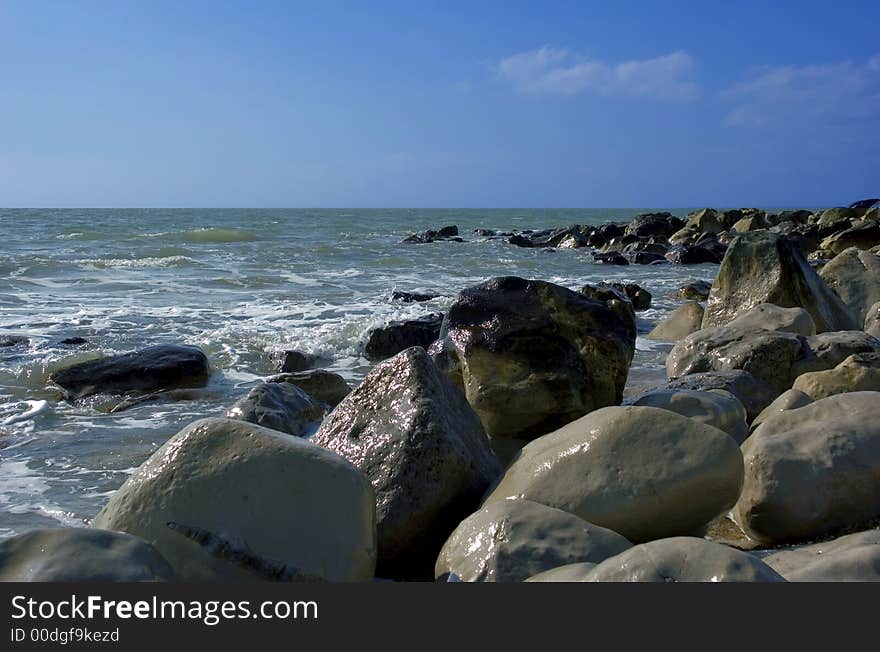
{"x": 511, "y": 540}
{"x": 279, "y": 406}
{"x": 163, "y": 366}
{"x": 412, "y": 297}
{"x": 389, "y": 340}
{"x": 531, "y": 356}
{"x": 226, "y": 500}
{"x": 425, "y": 452}
{"x": 643, "y": 472}
{"x": 445, "y": 233}
{"x": 80, "y": 555}
{"x": 683, "y": 559}
{"x": 764, "y": 267}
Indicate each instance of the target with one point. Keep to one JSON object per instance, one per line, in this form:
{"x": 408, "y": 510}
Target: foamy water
{"x": 240, "y": 284}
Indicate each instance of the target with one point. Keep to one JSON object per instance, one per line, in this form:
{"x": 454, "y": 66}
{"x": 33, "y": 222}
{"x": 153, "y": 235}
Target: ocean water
{"x": 240, "y": 284}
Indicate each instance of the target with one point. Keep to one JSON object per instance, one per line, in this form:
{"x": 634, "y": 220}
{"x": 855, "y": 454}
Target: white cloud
{"x": 554, "y": 71}
{"x": 828, "y": 93}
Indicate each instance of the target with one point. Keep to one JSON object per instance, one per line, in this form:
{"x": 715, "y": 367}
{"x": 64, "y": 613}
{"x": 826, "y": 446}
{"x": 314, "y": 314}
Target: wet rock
{"x": 71, "y": 341}
{"x": 13, "y": 340}
{"x": 154, "y": 368}
{"x": 716, "y": 408}
{"x": 484, "y": 233}
{"x": 164, "y": 396}
{"x": 683, "y": 254}
{"x": 827, "y": 350}
{"x": 680, "y": 323}
{"x": 850, "y": 558}
{"x": 694, "y": 291}
{"x": 80, "y": 555}
{"x": 604, "y": 291}
{"x": 531, "y": 356}
{"x": 445, "y": 233}
{"x": 412, "y": 297}
{"x": 610, "y": 258}
{"x": 646, "y": 258}
{"x": 386, "y": 341}
{"x": 425, "y": 452}
{"x": 855, "y": 276}
{"x": 226, "y": 500}
{"x": 291, "y": 361}
{"x": 683, "y": 559}
{"x": 767, "y": 268}
{"x": 643, "y": 472}
{"x": 567, "y": 573}
{"x": 279, "y": 406}
{"x": 813, "y": 470}
{"x": 511, "y": 540}
{"x": 660, "y": 225}
{"x": 754, "y": 393}
{"x": 323, "y": 386}
{"x": 858, "y": 373}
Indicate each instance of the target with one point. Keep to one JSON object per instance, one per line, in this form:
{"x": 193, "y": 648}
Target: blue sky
{"x": 380, "y": 104}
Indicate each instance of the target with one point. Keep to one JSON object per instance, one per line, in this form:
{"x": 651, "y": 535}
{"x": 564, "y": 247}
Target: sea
{"x": 242, "y": 284}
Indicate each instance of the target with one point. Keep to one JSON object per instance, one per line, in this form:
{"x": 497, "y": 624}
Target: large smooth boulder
{"x": 855, "y": 276}
{"x": 323, "y": 386}
{"x": 716, "y": 408}
{"x": 164, "y": 366}
{"x": 680, "y": 323}
{"x": 790, "y": 399}
{"x": 859, "y": 372}
{"x": 813, "y": 470}
{"x": 227, "y": 500}
{"x": 280, "y": 406}
{"x": 860, "y": 236}
{"x": 683, "y": 559}
{"x": 531, "y": 356}
{"x": 410, "y": 430}
{"x": 773, "y": 318}
{"x": 643, "y": 472}
{"x": 80, "y": 555}
{"x": 386, "y": 341}
{"x": 763, "y": 267}
{"x": 511, "y": 540}
{"x": 850, "y": 558}
{"x": 753, "y": 393}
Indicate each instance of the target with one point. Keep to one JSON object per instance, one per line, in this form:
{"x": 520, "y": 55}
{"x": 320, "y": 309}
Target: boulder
{"x": 445, "y": 233}
{"x": 412, "y": 297}
{"x": 827, "y": 350}
{"x": 661, "y": 225}
{"x": 424, "y": 450}
{"x": 767, "y": 268}
{"x": 773, "y": 318}
{"x": 813, "y": 470}
{"x": 855, "y": 276}
{"x": 531, "y": 356}
{"x": 386, "y": 341}
{"x": 511, "y": 540}
{"x": 850, "y": 558}
{"x": 858, "y": 373}
{"x": 683, "y": 559}
{"x": 860, "y": 236}
{"x": 568, "y": 573}
{"x": 872, "y": 320}
{"x": 716, "y": 408}
{"x": 226, "y": 500}
{"x": 680, "y": 323}
{"x": 164, "y": 366}
{"x": 643, "y": 472}
{"x": 293, "y": 361}
{"x": 753, "y": 393}
{"x": 685, "y": 254}
{"x": 323, "y": 386}
{"x": 604, "y": 291}
{"x": 694, "y": 291}
{"x": 790, "y": 399}
{"x": 610, "y": 258}
{"x": 279, "y": 406}
{"x": 80, "y": 555}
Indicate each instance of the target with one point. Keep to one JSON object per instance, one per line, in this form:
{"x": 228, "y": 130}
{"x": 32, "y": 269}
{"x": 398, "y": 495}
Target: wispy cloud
{"x": 555, "y": 71}
{"x": 828, "y": 93}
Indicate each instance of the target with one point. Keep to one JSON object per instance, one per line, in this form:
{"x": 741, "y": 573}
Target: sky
{"x": 439, "y": 104}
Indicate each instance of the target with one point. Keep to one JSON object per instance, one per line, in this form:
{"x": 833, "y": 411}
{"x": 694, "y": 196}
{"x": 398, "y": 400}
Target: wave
{"x": 215, "y": 235}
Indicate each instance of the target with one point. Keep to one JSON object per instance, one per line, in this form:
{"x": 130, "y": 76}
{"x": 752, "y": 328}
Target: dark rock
{"x": 423, "y": 449}
{"x": 13, "y": 340}
{"x": 753, "y": 393}
{"x": 279, "y": 406}
{"x": 323, "y": 386}
{"x": 519, "y": 241}
{"x": 865, "y": 203}
{"x": 646, "y": 258}
{"x": 292, "y": 360}
{"x": 532, "y": 356}
{"x": 610, "y": 258}
{"x": 485, "y": 233}
{"x": 445, "y": 233}
{"x": 610, "y": 230}
{"x": 163, "y": 366}
{"x": 654, "y": 224}
{"x": 683, "y": 254}
{"x": 72, "y": 341}
{"x": 637, "y": 295}
{"x": 694, "y": 291}
{"x": 412, "y": 297}
{"x": 386, "y": 341}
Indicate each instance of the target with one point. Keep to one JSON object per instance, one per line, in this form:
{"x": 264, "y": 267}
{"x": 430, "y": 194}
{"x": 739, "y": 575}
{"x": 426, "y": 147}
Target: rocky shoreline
{"x": 493, "y": 442}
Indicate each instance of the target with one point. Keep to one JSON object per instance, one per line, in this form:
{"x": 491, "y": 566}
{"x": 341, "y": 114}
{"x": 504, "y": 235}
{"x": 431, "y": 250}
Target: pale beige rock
{"x": 683, "y": 559}
{"x": 680, "y": 323}
{"x": 789, "y": 400}
{"x": 855, "y": 276}
{"x": 567, "y": 573}
{"x": 227, "y": 500}
{"x": 80, "y": 555}
{"x": 773, "y": 318}
{"x": 850, "y": 558}
{"x": 813, "y": 470}
{"x": 716, "y": 408}
{"x": 643, "y": 472}
{"x": 858, "y": 373}
{"x": 511, "y": 540}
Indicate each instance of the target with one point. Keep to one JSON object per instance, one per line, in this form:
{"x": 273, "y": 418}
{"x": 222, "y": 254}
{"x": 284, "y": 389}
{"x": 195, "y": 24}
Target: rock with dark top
{"x": 163, "y": 366}
{"x": 412, "y": 297}
{"x": 764, "y": 267}
{"x": 694, "y": 291}
{"x": 862, "y": 236}
{"x": 72, "y": 341}
{"x": 610, "y": 258}
{"x": 865, "y": 203}
{"x": 637, "y": 295}
{"x": 682, "y": 254}
{"x": 445, "y": 233}
{"x": 81, "y": 555}
{"x": 484, "y": 233}
{"x": 645, "y": 258}
{"x": 753, "y": 393}
{"x": 519, "y": 240}
{"x": 291, "y": 361}
{"x": 424, "y": 451}
{"x": 389, "y": 340}
{"x": 654, "y": 224}
{"x": 531, "y": 356}
{"x": 279, "y": 406}
{"x": 323, "y": 386}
